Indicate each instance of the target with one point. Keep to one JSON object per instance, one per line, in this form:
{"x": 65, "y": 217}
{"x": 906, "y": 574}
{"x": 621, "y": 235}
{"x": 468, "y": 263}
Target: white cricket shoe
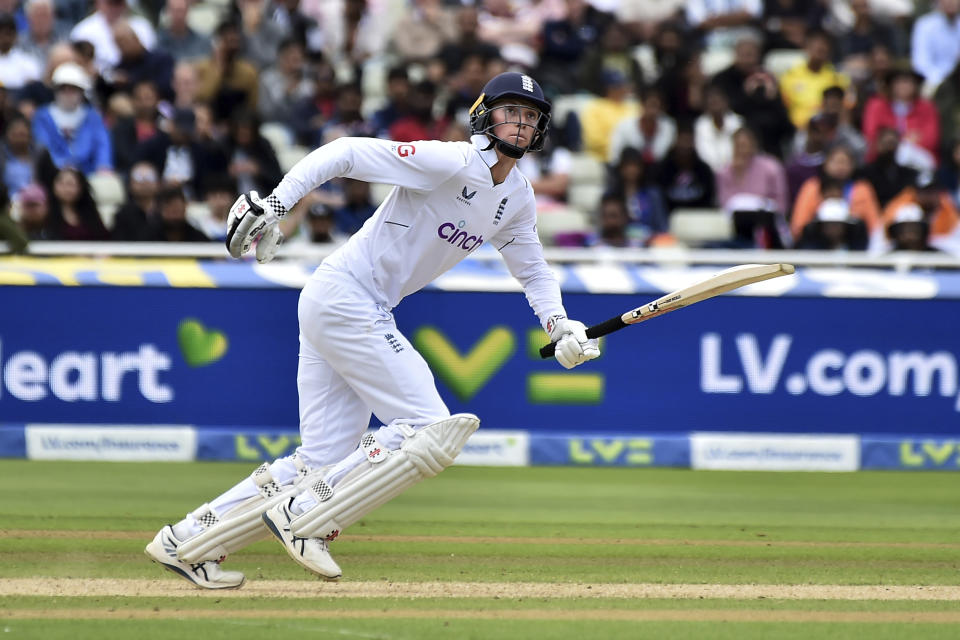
{"x": 207, "y": 575}
{"x": 313, "y": 554}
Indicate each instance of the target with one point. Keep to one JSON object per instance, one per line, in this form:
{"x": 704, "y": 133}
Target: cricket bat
{"x": 727, "y": 280}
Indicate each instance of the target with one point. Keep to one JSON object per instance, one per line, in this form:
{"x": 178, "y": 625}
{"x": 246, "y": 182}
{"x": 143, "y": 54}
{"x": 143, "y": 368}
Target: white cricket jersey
{"x": 443, "y": 207}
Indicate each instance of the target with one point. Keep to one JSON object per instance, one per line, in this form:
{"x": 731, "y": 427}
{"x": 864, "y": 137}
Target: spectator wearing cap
{"x": 713, "y": 130}
{"x": 71, "y": 130}
{"x": 137, "y": 63}
{"x": 227, "y": 80}
{"x": 97, "y": 29}
{"x": 684, "y": 179}
{"x": 170, "y": 224}
{"x": 601, "y": 115}
{"x": 178, "y": 39}
{"x": 321, "y": 225}
{"x": 833, "y": 228}
{"x": 935, "y": 42}
{"x": 753, "y": 94}
{"x": 802, "y": 86}
{"x": 33, "y": 212}
{"x": 902, "y": 108}
{"x": 935, "y": 203}
{"x": 887, "y": 175}
{"x": 839, "y": 165}
{"x": 908, "y": 229}
{"x": 133, "y": 217}
{"x": 18, "y": 157}
{"x": 179, "y": 157}
{"x": 652, "y": 133}
{"x": 17, "y": 66}
{"x": 43, "y": 28}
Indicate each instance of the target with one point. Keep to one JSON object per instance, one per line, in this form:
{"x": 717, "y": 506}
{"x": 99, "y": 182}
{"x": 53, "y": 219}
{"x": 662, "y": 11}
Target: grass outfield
{"x": 502, "y": 553}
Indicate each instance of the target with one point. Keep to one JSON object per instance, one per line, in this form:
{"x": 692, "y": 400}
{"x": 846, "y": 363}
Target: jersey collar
{"x": 480, "y": 142}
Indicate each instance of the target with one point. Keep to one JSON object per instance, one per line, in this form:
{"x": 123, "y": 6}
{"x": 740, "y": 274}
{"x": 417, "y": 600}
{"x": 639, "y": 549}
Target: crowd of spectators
{"x": 819, "y": 124}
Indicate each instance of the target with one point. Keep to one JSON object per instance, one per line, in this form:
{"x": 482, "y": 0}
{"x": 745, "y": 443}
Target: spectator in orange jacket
{"x": 938, "y": 208}
{"x": 838, "y": 165}
{"x": 903, "y": 109}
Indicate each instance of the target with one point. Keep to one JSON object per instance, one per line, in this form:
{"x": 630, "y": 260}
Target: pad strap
{"x": 424, "y": 454}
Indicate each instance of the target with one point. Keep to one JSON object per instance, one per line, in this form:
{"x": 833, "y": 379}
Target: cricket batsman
{"x": 449, "y": 199}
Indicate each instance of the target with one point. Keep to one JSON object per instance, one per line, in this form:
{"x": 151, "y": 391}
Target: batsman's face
{"x": 515, "y": 123}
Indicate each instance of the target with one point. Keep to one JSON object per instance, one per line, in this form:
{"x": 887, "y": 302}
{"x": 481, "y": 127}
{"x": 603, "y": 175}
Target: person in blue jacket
{"x": 69, "y": 128}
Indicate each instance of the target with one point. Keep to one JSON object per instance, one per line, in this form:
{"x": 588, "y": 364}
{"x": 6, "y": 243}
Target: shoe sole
{"x": 276, "y": 533}
{"x": 183, "y": 574}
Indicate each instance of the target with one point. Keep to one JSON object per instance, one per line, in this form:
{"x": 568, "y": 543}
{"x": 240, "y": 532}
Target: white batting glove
{"x": 573, "y": 346}
{"x": 251, "y": 218}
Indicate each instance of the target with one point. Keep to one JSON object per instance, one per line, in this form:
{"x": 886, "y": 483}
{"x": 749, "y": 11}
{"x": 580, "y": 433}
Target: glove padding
{"x": 251, "y": 218}
{"x": 573, "y": 346}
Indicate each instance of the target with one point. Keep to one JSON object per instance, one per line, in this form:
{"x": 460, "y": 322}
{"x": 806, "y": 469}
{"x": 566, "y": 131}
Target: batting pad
{"x": 242, "y": 525}
{"x": 381, "y": 478}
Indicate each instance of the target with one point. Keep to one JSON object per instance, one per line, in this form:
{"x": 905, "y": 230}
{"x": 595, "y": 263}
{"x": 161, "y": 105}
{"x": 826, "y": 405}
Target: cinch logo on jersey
{"x": 74, "y": 376}
{"x": 826, "y": 372}
{"x": 455, "y": 235}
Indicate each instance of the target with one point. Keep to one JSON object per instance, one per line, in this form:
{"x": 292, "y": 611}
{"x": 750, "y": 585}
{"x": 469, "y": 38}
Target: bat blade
{"x": 715, "y": 285}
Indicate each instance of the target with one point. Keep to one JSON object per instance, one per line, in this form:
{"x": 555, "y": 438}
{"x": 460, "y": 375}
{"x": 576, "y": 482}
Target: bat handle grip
{"x": 608, "y": 326}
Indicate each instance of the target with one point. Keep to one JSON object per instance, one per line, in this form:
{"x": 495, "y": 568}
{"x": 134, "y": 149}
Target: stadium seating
{"x": 712, "y": 61}
{"x": 779, "y": 61}
{"x": 289, "y": 156}
{"x": 278, "y": 135}
{"x": 204, "y": 17}
{"x": 379, "y": 192}
{"x": 108, "y": 193}
{"x": 585, "y": 169}
{"x": 697, "y": 227}
{"x": 561, "y": 220}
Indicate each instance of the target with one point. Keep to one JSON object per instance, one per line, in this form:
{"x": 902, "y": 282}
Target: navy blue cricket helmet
{"x": 497, "y": 94}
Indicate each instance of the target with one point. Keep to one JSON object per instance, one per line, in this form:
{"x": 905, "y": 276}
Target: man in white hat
{"x": 69, "y": 128}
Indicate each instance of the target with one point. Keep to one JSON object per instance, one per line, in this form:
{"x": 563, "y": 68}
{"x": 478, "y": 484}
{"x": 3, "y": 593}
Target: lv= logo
{"x": 468, "y": 372}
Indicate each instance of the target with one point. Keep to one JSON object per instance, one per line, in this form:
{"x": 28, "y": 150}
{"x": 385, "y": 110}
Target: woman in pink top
{"x": 752, "y": 174}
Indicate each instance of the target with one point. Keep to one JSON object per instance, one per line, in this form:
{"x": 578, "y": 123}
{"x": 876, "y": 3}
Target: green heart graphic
{"x": 465, "y": 374}
{"x": 200, "y": 346}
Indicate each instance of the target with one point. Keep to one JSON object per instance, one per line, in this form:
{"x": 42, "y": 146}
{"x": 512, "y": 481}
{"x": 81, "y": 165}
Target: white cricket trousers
{"x": 353, "y": 362}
